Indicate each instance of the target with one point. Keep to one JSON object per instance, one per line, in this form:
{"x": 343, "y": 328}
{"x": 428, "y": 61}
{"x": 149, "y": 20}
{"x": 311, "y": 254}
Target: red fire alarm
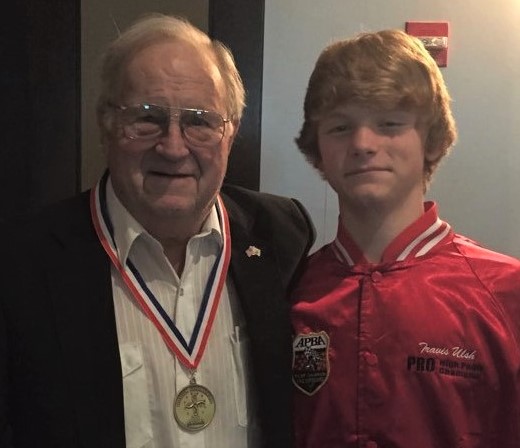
{"x": 434, "y": 36}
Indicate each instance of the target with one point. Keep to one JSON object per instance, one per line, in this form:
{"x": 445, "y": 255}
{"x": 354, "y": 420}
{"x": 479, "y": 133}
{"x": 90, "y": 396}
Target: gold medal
{"x": 194, "y": 407}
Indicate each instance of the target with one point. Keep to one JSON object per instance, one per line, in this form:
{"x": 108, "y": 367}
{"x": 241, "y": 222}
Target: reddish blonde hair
{"x": 385, "y": 69}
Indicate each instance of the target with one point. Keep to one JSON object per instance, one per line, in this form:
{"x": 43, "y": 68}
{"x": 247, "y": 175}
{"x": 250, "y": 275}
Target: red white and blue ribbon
{"x": 188, "y": 352}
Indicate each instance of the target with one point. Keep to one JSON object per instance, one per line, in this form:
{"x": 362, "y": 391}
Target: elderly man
{"x": 151, "y": 311}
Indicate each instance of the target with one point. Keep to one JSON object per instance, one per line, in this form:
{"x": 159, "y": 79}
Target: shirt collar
{"x": 127, "y": 229}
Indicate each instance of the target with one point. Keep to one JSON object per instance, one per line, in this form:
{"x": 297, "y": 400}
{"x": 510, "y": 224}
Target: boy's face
{"x": 372, "y": 158}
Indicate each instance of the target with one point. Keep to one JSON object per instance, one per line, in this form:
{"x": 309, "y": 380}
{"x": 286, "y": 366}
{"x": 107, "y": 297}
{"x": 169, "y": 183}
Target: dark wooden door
{"x": 240, "y": 25}
{"x": 40, "y": 107}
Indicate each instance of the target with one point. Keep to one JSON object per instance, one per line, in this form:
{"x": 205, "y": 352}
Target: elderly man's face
{"x": 168, "y": 175}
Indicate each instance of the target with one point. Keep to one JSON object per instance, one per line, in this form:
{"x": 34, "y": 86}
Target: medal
{"x": 194, "y": 407}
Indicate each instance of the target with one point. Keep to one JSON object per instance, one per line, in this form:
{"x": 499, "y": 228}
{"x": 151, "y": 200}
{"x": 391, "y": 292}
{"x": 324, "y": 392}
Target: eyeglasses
{"x": 149, "y": 121}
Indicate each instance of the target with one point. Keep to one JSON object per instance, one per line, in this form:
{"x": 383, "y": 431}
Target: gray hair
{"x": 157, "y": 28}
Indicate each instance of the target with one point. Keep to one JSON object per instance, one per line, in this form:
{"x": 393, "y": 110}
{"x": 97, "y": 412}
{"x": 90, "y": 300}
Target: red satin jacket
{"x": 418, "y": 351}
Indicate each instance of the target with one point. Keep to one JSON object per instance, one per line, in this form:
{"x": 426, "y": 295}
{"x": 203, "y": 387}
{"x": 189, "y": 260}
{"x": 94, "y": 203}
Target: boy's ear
{"x": 316, "y": 163}
{"x": 318, "y": 166}
{"x": 432, "y": 154}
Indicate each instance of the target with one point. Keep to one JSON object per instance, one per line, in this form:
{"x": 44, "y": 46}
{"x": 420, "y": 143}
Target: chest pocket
{"x": 138, "y": 422}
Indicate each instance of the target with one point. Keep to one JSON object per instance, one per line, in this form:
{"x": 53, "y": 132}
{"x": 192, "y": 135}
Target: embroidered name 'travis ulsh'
{"x": 455, "y": 352}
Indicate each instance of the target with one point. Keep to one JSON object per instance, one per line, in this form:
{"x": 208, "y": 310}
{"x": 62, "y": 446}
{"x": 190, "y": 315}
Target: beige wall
{"x": 100, "y": 21}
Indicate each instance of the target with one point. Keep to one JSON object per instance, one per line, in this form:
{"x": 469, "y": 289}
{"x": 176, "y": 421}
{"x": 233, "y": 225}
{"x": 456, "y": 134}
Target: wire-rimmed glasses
{"x": 145, "y": 121}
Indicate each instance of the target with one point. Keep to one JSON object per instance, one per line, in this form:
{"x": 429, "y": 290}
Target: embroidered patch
{"x": 310, "y": 361}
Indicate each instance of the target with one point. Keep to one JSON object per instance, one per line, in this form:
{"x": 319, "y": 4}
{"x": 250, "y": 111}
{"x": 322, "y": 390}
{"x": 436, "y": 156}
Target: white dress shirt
{"x": 152, "y": 375}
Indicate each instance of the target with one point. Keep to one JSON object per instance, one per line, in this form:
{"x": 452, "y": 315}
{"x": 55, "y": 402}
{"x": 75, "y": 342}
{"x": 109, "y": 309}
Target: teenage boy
{"x": 406, "y": 334}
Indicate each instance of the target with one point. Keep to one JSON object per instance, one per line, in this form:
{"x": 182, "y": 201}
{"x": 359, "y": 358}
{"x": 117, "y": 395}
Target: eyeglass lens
{"x": 146, "y": 121}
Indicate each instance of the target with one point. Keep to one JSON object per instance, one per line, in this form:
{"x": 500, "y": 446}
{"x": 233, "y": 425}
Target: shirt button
{"x": 371, "y": 444}
{"x": 370, "y": 358}
{"x": 376, "y": 276}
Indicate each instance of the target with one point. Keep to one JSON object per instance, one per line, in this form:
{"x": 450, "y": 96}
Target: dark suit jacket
{"x": 60, "y": 372}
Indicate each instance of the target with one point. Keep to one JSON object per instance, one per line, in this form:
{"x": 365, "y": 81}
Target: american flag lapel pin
{"x": 253, "y": 251}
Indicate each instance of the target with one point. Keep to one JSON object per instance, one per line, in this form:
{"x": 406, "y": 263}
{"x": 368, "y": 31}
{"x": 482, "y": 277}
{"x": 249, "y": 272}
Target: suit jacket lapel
{"x": 80, "y": 284}
{"x": 256, "y": 277}
{"x": 262, "y": 296}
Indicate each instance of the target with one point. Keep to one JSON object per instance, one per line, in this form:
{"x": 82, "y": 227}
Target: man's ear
{"x": 105, "y": 124}
{"x": 236, "y": 127}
